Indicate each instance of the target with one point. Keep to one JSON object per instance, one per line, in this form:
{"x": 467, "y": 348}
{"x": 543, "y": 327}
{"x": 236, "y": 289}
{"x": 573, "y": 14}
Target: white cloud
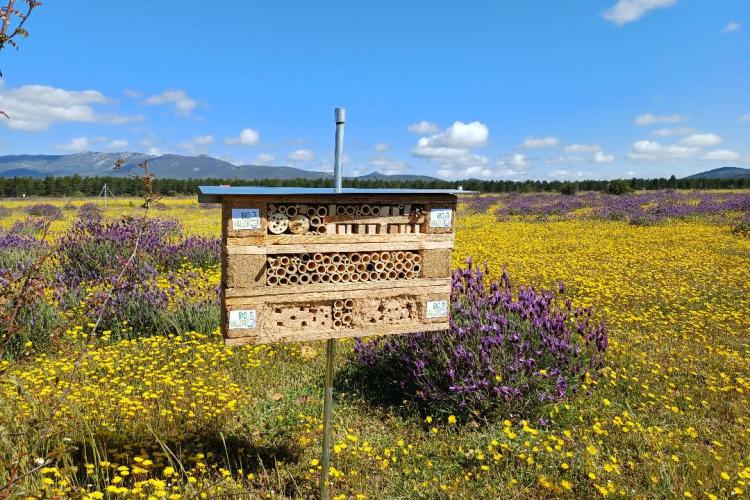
{"x": 265, "y": 158}
{"x": 744, "y": 118}
{"x": 197, "y": 144}
{"x": 381, "y": 147}
{"x": 652, "y": 119}
{"x": 652, "y": 150}
{"x": 601, "y": 157}
{"x": 302, "y": 155}
{"x": 247, "y": 137}
{"x": 582, "y": 148}
{"x": 454, "y": 142}
{"x": 627, "y": 11}
{"x": 133, "y": 93}
{"x": 388, "y": 166}
{"x": 732, "y": 26}
{"x": 540, "y": 142}
{"x": 154, "y": 151}
{"x": 518, "y": 160}
{"x": 423, "y": 128}
{"x": 117, "y": 145}
{"x": 76, "y": 145}
{"x": 721, "y": 155}
{"x": 33, "y": 108}
{"x": 566, "y": 174}
{"x": 701, "y": 140}
{"x": 183, "y": 104}
{"x": 672, "y": 132}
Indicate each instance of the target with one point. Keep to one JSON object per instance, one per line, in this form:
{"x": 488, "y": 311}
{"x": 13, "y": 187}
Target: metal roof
{"x": 213, "y": 194}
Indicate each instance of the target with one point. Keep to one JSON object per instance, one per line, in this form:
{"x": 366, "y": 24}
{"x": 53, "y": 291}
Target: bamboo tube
{"x": 417, "y": 258}
{"x": 400, "y": 256}
{"x": 272, "y": 280}
{"x": 409, "y": 275}
{"x": 355, "y": 277}
{"x": 340, "y": 210}
{"x": 311, "y": 212}
{"x": 350, "y": 210}
{"x": 321, "y": 211}
{"x": 280, "y": 271}
{"x": 390, "y": 265}
{"x": 315, "y": 221}
{"x": 365, "y": 209}
{"x": 336, "y": 258}
{"x": 416, "y": 269}
{"x": 364, "y": 276}
{"x": 291, "y": 269}
{"x": 340, "y": 268}
{"x": 408, "y": 256}
{"x": 361, "y": 267}
{"x": 382, "y": 275}
{"x": 291, "y": 210}
{"x": 284, "y": 260}
{"x": 385, "y": 256}
{"x": 311, "y": 265}
{"x": 321, "y": 229}
{"x": 315, "y": 278}
{"x": 337, "y": 323}
{"x": 398, "y": 266}
{"x": 326, "y": 259}
{"x": 325, "y": 278}
{"x": 304, "y": 279}
{"x": 401, "y": 275}
{"x": 355, "y": 257}
{"x": 351, "y": 268}
{"x": 347, "y": 319}
{"x": 331, "y": 268}
{"x": 293, "y": 279}
{"x": 346, "y": 277}
{"x": 317, "y": 257}
{"x": 374, "y": 275}
{"x": 379, "y": 266}
{"x": 338, "y": 304}
{"x": 338, "y": 314}
{"x": 374, "y": 257}
{"x": 335, "y": 278}
{"x": 283, "y": 281}
{"x": 408, "y": 265}
{"x": 375, "y": 210}
{"x": 392, "y": 275}
{"x": 349, "y": 304}
{"x": 321, "y": 268}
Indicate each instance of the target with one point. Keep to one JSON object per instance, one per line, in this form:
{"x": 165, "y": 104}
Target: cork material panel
{"x": 436, "y": 263}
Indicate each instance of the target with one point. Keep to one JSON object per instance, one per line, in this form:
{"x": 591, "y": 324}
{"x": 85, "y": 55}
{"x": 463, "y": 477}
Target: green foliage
{"x": 619, "y": 187}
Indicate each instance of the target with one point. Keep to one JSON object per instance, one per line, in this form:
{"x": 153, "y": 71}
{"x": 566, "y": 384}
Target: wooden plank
{"x": 299, "y": 290}
{"x": 333, "y": 334}
{"x": 346, "y": 199}
{"x": 329, "y": 246}
{"x": 441, "y": 287}
{"x": 298, "y": 239}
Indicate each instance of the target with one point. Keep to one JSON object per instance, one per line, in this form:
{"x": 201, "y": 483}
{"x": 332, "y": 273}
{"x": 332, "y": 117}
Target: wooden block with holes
{"x": 308, "y": 264}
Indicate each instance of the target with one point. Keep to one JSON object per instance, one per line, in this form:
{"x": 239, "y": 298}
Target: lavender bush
{"x": 45, "y": 210}
{"x": 508, "y": 352}
{"x": 90, "y": 212}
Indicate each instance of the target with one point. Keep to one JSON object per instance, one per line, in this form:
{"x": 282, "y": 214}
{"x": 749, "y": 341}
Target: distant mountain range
{"x": 723, "y": 173}
{"x": 168, "y": 166}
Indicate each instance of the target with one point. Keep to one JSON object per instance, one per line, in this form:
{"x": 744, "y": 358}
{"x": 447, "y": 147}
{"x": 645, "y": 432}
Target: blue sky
{"x": 493, "y": 89}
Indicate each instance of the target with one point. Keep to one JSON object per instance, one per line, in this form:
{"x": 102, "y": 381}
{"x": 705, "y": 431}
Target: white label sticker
{"x": 241, "y": 319}
{"x": 245, "y": 218}
{"x": 441, "y": 217}
{"x": 437, "y": 308}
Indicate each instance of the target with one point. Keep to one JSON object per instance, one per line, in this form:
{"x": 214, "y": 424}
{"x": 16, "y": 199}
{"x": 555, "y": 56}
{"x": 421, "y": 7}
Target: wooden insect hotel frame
{"x": 307, "y": 264}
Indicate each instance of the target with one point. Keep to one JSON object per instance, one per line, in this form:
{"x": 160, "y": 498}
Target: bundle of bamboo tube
{"x": 342, "y": 313}
{"x": 339, "y": 267}
{"x": 297, "y": 219}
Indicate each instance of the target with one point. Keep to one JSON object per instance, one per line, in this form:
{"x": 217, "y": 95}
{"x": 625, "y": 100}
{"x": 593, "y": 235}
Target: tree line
{"x": 128, "y": 186}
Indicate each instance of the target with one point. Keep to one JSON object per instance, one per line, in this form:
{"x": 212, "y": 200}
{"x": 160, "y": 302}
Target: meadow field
{"x": 153, "y": 405}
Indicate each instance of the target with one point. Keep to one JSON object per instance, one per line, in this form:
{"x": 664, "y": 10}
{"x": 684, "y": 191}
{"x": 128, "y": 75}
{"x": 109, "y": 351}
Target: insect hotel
{"x": 307, "y": 264}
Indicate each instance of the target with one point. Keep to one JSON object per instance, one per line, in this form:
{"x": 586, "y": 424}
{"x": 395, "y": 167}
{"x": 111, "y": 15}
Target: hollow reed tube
{"x": 321, "y": 229}
{"x": 321, "y": 211}
{"x": 338, "y": 304}
{"x": 291, "y": 210}
{"x": 348, "y": 303}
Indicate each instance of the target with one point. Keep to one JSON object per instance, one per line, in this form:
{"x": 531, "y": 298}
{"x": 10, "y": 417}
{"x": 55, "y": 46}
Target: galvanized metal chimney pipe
{"x": 338, "y": 163}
